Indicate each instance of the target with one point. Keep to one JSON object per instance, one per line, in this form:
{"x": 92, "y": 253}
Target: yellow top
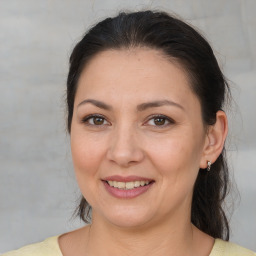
{"x": 50, "y": 247}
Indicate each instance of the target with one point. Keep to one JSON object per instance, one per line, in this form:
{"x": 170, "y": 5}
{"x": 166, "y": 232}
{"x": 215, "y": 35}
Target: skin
{"x": 130, "y": 141}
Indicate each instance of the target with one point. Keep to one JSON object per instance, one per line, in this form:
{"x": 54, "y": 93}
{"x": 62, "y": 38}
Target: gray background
{"x": 38, "y": 192}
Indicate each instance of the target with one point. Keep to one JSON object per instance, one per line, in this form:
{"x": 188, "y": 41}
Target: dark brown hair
{"x": 182, "y": 43}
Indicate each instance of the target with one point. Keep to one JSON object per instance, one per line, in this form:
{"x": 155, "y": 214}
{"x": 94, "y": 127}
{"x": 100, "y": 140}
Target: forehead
{"x": 137, "y": 74}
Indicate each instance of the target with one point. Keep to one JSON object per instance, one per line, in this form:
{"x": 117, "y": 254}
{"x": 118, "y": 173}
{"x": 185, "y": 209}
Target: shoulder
{"x": 48, "y": 247}
{"x": 223, "y": 248}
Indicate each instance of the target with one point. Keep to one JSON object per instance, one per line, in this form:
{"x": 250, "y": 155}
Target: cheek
{"x": 86, "y": 155}
{"x": 177, "y": 166}
{"x": 177, "y": 160}
{"x": 174, "y": 152}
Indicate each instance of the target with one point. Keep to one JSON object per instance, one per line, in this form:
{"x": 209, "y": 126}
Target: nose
{"x": 125, "y": 149}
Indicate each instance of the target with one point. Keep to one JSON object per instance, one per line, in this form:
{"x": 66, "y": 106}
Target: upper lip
{"x": 126, "y": 178}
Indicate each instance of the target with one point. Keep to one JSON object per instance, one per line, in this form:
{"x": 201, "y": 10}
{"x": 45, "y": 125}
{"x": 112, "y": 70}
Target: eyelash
{"x": 170, "y": 121}
{"x": 86, "y": 119}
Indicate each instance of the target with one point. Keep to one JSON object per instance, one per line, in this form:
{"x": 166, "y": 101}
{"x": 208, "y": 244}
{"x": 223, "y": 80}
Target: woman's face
{"x": 137, "y": 137}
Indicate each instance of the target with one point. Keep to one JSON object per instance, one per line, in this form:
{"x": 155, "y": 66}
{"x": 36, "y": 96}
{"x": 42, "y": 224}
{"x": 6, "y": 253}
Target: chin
{"x": 127, "y": 217}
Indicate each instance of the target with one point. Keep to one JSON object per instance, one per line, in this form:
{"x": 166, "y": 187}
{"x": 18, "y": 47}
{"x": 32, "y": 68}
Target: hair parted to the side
{"x": 182, "y": 44}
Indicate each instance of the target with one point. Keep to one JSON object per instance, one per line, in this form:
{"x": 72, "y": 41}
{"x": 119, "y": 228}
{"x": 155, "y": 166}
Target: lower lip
{"x": 127, "y": 194}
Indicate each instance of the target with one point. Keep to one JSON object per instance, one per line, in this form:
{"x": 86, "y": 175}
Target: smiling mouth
{"x": 128, "y": 185}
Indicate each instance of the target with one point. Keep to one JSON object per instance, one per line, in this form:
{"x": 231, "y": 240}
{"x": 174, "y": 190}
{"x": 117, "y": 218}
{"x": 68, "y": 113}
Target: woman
{"x": 145, "y": 97}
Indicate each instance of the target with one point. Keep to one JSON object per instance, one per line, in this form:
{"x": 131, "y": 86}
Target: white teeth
{"x": 121, "y": 184}
{"x": 127, "y": 185}
{"x": 136, "y": 184}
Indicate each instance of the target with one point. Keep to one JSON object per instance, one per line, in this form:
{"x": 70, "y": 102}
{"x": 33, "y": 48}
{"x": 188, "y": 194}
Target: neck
{"x": 166, "y": 238}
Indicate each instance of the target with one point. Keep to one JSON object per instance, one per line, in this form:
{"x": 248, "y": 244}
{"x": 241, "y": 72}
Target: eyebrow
{"x": 96, "y": 103}
{"x": 141, "y": 107}
{"x": 158, "y": 103}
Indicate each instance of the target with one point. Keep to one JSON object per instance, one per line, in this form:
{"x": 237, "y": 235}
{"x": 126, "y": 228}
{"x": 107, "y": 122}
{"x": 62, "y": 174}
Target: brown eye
{"x": 95, "y": 120}
{"x": 159, "y": 121}
{"x": 98, "y": 120}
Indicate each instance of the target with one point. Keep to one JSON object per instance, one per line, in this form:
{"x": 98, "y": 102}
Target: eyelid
{"x": 170, "y": 120}
{"x": 85, "y": 119}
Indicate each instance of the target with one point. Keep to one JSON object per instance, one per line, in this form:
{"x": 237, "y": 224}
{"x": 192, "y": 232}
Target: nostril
{"x": 125, "y": 156}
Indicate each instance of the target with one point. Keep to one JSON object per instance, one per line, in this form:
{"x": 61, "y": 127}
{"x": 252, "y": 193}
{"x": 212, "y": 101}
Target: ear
{"x": 215, "y": 139}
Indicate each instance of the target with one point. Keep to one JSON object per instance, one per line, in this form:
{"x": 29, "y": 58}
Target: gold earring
{"x": 209, "y": 164}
